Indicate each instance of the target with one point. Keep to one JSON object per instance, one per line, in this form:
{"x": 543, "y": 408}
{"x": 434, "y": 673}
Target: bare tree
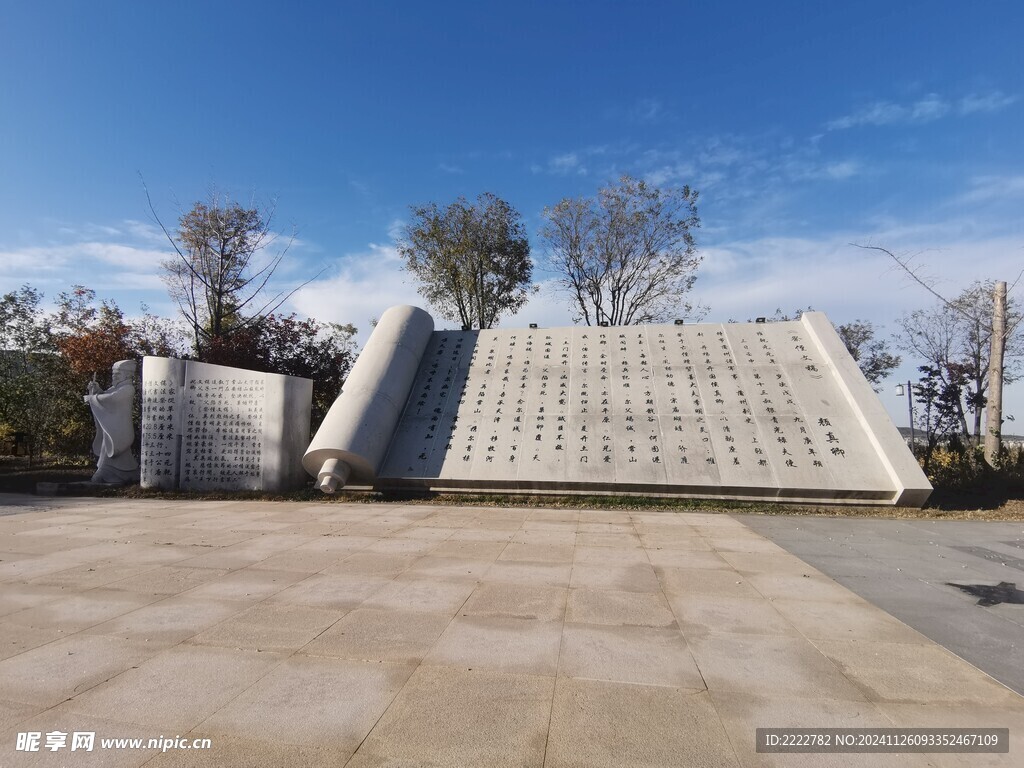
{"x": 627, "y": 256}
{"x": 224, "y": 261}
{"x": 955, "y": 337}
{"x": 999, "y": 344}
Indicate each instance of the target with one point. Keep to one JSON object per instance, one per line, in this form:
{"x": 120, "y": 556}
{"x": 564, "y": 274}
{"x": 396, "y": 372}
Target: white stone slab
{"x": 162, "y": 381}
{"x": 213, "y": 427}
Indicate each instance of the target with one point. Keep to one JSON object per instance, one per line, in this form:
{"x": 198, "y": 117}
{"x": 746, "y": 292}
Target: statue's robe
{"x": 115, "y": 433}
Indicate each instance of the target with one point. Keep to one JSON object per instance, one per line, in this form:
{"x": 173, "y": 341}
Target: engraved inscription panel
{"x": 737, "y": 406}
{"x": 162, "y": 381}
{"x": 222, "y": 429}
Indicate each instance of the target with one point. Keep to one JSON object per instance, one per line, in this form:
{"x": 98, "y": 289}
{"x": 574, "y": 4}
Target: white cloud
{"x": 21, "y": 265}
{"x": 660, "y": 176}
{"x": 931, "y": 107}
{"x": 576, "y": 161}
{"x": 126, "y": 257}
{"x": 705, "y": 181}
{"x": 360, "y": 289}
{"x": 134, "y": 281}
{"x": 925, "y": 110}
{"x": 881, "y": 113}
{"x": 94, "y": 263}
{"x": 566, "y": 163}
{"x": 747, "y": 278}
{"x": 985, "y": 102}
{"x": 396, "y": 229}
{"x": 842, "y": 170}
{"x": 726, "y": 151}
{"x": 141, "y": 230}
{"x": 549, "y": 308}
{"x": 672, "y": 173}
{"x": 128, "y": 260}
{"x": 647, "y": 110}
{"x": 993, "y": 188}
{"x": 106, "y": 266}
{"x": 807, "y": 170}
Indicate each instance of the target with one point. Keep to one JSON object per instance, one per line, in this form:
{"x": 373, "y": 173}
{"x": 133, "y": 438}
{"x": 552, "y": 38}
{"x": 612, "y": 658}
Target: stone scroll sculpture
{"x": 115, "y": 432}
{"x": 354, "y": 437}
{"x": 736, "y": 411}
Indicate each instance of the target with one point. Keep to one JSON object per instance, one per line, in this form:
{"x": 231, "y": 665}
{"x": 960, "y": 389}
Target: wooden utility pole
{"x": 994, "y": 409}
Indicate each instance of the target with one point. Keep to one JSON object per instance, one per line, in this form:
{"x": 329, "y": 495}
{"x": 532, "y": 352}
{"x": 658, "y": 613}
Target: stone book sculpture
{"x": 737, "y": 411}
{"x": 212, "y": 427}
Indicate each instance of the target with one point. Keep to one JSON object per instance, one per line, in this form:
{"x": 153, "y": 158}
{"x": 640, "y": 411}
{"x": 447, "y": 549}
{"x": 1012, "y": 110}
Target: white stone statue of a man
{"x": 115, "y": 432}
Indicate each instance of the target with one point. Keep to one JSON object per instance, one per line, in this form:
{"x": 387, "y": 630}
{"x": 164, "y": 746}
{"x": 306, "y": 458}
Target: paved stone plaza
{"x": 365, "y": 635}
{"x": 910, "y": 568}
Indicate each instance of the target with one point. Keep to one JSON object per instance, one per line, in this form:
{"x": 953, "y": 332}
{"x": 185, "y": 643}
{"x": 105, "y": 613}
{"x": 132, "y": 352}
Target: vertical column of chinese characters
{"x": 494, "y": 404}
{"x": 255, "y": 465}
{"x": 665, "y": 384}
{"x": 540, "y": 402}
{"x": 700, "y": 364}
{"x": 651, "y": 408}
{"x": 625, "y": 381}
{"x": 215, "y": 403}
{"x": 580, "y": 383}
{"x": 159, "y": 431}
{"x": 677, "y": 360}
{"x": 807, "y": 448}
{"x": 192, "y": 433}
{"x": 492, "y": 421}
{"x": 204, "y": 432}
{"x": 231, "y": 396}
{"x": 207, "y": 447}
{"x": 758, "y": 354}
{"x": 430, "y": 401}
{"x": 452, "y": 382}
{"x": 237, "y": 450}
{"x": 519, "y": 376}
{"x": 465, "y": 430}
{"x": 730, "y": 397}
{"x": 605, "y": 400}
{"x": 508, "y": 449}
{"x": 746, "y": 436}
{"x": 149, "y": 448}
{"x": 220, "y": 407}
{"x": 765, "y": 405}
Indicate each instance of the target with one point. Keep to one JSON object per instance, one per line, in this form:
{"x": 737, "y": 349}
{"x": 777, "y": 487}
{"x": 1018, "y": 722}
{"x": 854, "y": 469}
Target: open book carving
{"x": 739, "y": 411}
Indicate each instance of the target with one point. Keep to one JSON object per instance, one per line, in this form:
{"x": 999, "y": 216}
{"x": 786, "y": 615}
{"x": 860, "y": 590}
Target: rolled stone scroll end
{"x": 333, "y": 475}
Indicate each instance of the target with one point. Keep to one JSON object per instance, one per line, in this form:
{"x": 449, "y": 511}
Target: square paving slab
{"x": 343, "y": 634}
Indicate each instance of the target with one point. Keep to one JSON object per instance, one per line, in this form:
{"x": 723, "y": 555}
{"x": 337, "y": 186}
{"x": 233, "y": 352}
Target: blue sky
{"x": 805, "y": 126}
